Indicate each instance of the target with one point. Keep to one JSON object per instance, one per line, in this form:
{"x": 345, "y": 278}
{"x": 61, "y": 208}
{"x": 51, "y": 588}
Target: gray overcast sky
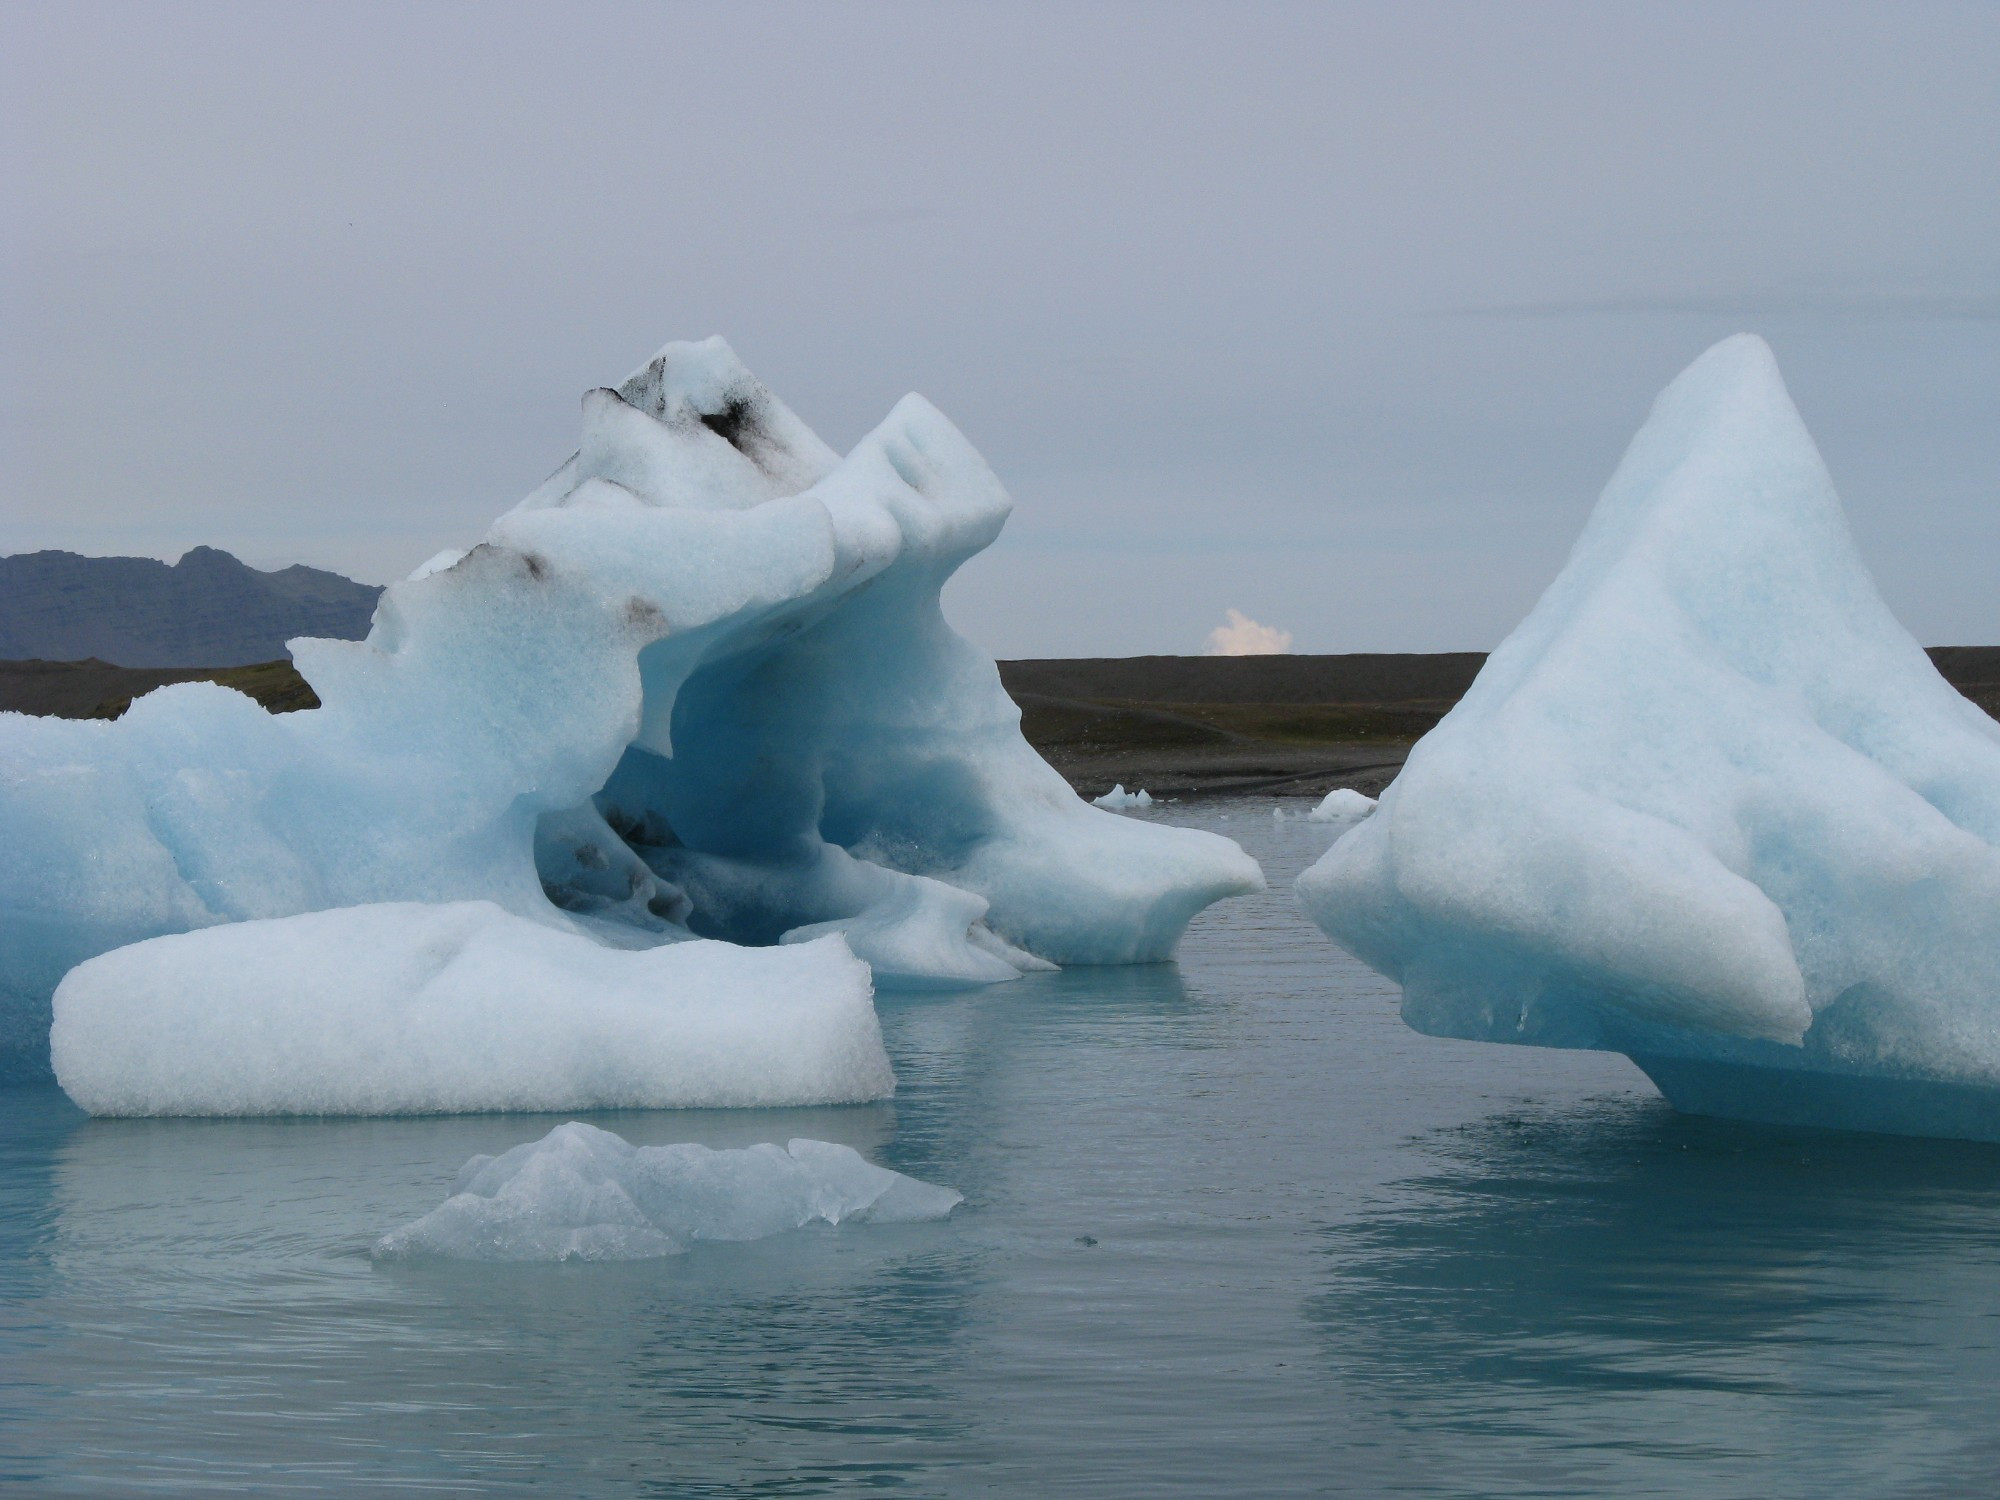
{"x": 1336, "y": 314}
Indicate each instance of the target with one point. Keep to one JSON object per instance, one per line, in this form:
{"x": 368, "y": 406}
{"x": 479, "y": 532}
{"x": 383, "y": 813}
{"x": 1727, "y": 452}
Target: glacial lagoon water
{"x": 1230, "y": 1228}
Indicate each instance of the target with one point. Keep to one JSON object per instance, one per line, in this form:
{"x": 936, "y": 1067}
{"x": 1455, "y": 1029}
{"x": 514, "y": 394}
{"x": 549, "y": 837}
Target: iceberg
{"x": 581, "y": 1193}
{"x": 409, "y": 1008}
{"x": 1118, "y": 797}
{"x": 1343, "y": 806}
{"x": 1709, "y": 806}
{"x": 698, "y": 684}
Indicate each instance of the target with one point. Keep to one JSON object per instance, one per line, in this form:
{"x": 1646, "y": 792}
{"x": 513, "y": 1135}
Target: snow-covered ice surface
{"x": 1709, "y": 805}
{"x": 697, "y": 684}
{"x": 1119, "y": 798}
{"x": 581, "y": 1193}
{"x": 408, "y": 1008}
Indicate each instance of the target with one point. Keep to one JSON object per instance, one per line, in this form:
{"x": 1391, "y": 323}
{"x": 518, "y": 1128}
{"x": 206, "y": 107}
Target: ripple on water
{"x": 1230, "y": 1228}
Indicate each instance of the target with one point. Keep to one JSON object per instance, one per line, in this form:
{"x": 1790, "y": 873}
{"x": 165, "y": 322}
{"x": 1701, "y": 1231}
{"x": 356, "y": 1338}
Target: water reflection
{"x": 212, "y": 1282}
{"x": 1228, "y": 1231}
{"x": 210, "y": 1279}
{"x": 1601, "y": 1294}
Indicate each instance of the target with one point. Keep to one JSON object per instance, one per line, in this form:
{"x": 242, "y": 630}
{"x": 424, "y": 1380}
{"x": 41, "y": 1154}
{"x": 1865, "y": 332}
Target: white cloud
{"x": 1243, "y": 636}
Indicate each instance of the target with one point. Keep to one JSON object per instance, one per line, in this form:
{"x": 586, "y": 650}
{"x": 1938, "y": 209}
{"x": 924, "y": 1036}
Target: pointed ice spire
{"x": 1723, "y": 501}
{"x": 690, "y": 386}
{"x": 691, "y": 428}
{"x": 1709, "y": 800}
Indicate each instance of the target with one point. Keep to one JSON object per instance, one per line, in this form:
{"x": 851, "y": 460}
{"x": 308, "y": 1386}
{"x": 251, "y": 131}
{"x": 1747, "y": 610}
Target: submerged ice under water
{"x": 581, "y": 1193}
{"x": 1229, "y": 1227}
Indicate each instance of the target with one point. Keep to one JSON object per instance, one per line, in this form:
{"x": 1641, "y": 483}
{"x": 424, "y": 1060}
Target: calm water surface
{"x": 1230, "y": 1229}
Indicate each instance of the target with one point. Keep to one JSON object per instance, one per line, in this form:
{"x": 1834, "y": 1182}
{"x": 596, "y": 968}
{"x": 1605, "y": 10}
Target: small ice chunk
{"x": 1344, "y": 807}
{"x": 581, "y": 1193}
{"x": 1119, "y": 797}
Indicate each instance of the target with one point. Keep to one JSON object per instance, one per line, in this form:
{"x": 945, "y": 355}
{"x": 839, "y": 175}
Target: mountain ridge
{"x": 207, "y": 610}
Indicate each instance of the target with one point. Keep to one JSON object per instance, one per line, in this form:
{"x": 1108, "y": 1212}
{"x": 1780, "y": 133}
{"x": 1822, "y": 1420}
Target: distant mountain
{"x": 207, "y": 610}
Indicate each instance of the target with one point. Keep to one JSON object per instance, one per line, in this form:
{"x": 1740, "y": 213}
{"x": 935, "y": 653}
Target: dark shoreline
{"x": 1278, "y": 726}
{"x": 1179, "y": 726}
{"x": 93, "y": 689}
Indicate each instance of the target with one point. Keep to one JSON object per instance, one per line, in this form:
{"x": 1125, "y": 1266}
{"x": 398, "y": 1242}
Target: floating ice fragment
{"x": 581, "y": 1193}
{"x": 1709, "y": 805}
{"x": 413, "y": 1009}
{"x": 1119, "y": 797}
{"x": 1342, "y": 806}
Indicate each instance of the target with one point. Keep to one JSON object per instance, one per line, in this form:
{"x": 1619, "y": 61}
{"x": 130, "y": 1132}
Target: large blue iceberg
{"x": 1709, "y": 806}
{"x": 698, "y": 685}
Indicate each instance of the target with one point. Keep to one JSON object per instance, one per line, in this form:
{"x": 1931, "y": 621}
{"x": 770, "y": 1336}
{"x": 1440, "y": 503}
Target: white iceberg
{"x": 1709, "y": 805}
{"x": 581, "y": 1193}
{"x": 1342, "y": 806}
{"x": 1118, "y": 797}
{"x": 436, "y": 1009}
{"x": 697, "y": 685}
